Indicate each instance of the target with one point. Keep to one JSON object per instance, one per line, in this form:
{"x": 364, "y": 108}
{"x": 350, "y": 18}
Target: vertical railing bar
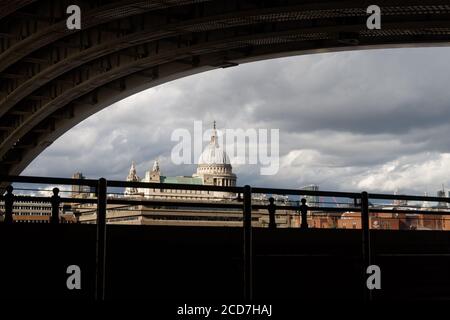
{"x": 366, "y": 252}
{"x": 272, "y": 208}
{"x": 9, "y": 202}
{"x": 101, "y": 240}
{"x": 55, "y": 201}
{"x": 248, "y": 245}
{"x": 304, "y": 214}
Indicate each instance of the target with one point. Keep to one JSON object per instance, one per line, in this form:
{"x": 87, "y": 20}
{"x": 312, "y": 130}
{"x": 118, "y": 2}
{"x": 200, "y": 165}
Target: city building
{"x": 214, "y": 168}
{"x": 80, "y": 191}
{"x": 36, "y": 212}
{"x": 441, "y": 194}
{"x": 313, "y": 201}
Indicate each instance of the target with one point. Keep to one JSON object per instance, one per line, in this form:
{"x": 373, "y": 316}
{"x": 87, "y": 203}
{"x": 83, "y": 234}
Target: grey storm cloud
{"x": 375, "y": 119}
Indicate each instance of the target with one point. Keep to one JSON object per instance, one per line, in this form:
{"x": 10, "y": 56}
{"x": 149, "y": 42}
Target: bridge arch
{"x": 53, "y": 78}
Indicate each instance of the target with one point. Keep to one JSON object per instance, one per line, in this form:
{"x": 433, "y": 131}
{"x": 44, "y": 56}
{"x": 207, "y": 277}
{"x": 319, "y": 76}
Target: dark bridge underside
{"x": 52, "y": 78}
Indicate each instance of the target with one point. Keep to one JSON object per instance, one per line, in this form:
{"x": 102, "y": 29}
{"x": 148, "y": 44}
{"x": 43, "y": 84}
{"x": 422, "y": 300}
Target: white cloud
{"x": 418, "y": 173}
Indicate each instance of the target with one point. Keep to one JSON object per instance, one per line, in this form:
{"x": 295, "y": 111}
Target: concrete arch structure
{"x": 52, "y": 78}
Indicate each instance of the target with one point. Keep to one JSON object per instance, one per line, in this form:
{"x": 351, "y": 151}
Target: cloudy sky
{"x": 371, "y": 120}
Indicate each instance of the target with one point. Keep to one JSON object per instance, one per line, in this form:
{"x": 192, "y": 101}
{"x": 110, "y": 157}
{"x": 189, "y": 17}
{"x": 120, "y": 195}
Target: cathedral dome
{"x": 214, "y": 153}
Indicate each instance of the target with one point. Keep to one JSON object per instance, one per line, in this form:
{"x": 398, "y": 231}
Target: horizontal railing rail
{"x": 49, "y": 180}
{"x": 194, "y": 204}
{"x": 356, "y": 197}
{"x": 237, "y": 189}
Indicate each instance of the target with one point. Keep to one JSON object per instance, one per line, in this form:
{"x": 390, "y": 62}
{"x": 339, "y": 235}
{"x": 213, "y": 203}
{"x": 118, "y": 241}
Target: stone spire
{"x": 155, "y": 167}
{"x": 132, "y": 177}
{"x": 155, "y": 173}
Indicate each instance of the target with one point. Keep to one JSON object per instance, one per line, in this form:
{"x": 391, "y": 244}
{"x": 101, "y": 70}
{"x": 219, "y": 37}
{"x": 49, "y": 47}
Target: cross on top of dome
{"x": 214, "y": 135}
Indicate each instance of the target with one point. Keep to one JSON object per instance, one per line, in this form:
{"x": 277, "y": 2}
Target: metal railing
{"x": 360, "y": 202}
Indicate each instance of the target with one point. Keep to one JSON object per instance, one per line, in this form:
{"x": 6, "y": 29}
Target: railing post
{"x": 9, "y": 202}
{"x": 272, "y": 208}
{"x": 366, "y": 253}
{"x": 304, "y": 213}
{"x": 56, "y": 201}
{"x": 101, "y": 240}
{"x": 248, "y": 247}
